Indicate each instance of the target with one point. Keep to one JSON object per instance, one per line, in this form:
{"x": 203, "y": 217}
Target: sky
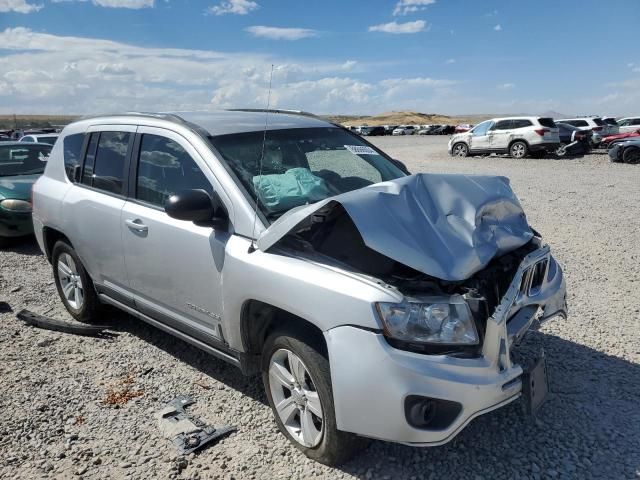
{"x": 576, "y": 57}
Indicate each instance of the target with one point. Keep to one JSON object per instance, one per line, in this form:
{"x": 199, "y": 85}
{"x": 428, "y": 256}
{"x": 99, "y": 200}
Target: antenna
{"x": 252, "y": 247}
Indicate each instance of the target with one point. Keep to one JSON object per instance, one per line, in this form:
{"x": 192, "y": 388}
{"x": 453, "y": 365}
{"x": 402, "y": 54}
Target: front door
{"x": 480, "y": 139}
{"x": 174, "y": 267}
{"x": 500, "y": 134}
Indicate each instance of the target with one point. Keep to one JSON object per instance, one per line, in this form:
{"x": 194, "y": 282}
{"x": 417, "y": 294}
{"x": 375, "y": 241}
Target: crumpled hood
{"x": 446, "y": 226}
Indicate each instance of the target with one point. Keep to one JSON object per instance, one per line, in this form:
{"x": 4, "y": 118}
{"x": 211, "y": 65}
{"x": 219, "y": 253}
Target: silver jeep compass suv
{"x": 373, "y": 302}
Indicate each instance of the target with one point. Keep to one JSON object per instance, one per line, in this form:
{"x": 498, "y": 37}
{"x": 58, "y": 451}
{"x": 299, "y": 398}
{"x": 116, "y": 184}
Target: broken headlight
{"x": 441, "y": 321}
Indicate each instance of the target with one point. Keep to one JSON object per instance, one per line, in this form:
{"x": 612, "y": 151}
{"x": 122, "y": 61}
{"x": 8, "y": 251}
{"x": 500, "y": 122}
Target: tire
{"x": 460, "y": 149}
{"x": 631, "y": 155}
{"x": 323, "y": 442}
{"x": 518, "y": 149}
{"x": 74, "y": 285}
{"x": 561, "y": 151}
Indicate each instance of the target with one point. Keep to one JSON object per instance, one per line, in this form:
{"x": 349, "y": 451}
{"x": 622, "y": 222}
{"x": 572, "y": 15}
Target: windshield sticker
{"x": 360, "y": 150}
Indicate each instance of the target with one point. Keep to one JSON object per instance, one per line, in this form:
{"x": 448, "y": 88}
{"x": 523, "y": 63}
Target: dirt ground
{"x": 54, "y": 388}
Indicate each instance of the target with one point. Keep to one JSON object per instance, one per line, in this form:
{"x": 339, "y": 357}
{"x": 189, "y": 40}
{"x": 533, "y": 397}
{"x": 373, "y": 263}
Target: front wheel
{"x": 518, "y": 150}
{"x": 297, "y": 381}
{"x": 460, "y": 150}
{"x": 631, "y": 155}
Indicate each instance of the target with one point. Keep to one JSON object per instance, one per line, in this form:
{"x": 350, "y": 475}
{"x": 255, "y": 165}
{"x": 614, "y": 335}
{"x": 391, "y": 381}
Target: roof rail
{"x": 163, "y": 116}
{"x": 274, "y": 110}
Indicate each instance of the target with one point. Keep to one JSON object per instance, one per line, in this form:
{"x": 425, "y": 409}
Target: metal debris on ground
{"x": 48, "y": 323}
{"x": 186, "y": 432}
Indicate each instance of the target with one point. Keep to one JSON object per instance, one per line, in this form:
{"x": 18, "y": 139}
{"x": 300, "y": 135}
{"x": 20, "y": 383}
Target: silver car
{"x": 373, "y": 302}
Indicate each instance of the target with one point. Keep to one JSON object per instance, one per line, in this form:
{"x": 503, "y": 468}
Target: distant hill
{"x": 25, "y": 121}
{"x": 405, "y": 117}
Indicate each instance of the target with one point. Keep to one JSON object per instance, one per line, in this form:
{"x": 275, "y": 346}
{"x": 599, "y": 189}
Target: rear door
{"x": 94, "y": 204}
{"x": 174, "y": 267}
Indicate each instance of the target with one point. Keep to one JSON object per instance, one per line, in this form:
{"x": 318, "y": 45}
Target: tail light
{"x": 541, "y": 131}
{"x": 579, "y": 136}
{"x": 596, "y": 129}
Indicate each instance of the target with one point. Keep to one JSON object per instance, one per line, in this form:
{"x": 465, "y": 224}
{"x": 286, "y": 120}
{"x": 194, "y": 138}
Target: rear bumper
{"x": 544, "y": 147}
{"x": 372, "y": 380}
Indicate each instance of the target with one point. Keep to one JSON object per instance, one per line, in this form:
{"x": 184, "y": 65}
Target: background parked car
{"x": 49, "y": 138}
{"x": 372, "y": 131}
{"x": 404, "y": 130}
{"x": 628, "y": 124}
{"x": 388, "y": 129}
{"x": 517, "y": 136}
{"x": 428, "y": 130}
{"x": 463, "y": 127}
{"x": 609, "y": 139}
{"x": 627, "y": 152}
{"x": 595, "y": 124}
{"x": 21, "y": 164}
{"x": 573, "y": 141}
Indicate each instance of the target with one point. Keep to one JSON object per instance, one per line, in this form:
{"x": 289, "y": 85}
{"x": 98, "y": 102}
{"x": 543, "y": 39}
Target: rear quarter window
{"x": 547, "y": 122}
{"x": 72, "y": 151}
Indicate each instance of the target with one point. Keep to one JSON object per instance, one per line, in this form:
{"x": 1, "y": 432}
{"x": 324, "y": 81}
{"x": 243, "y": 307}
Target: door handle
{"x": 136, "y": 225}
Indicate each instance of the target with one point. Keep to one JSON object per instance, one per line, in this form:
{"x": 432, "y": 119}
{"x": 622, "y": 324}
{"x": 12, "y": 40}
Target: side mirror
{"x": 196, "y": 206}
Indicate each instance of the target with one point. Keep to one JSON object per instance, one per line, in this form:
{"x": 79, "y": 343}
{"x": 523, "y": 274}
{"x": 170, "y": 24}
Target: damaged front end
{"x": 454, "y": 246}
{"x": 473, "y": 278}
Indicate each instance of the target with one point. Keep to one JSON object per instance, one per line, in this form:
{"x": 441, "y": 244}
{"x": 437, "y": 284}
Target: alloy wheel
{"x": 460, "y": 150}
{"x": 295, "y": 398}
{"x": 70, "y": 281}
{"x": 518, "y": 150}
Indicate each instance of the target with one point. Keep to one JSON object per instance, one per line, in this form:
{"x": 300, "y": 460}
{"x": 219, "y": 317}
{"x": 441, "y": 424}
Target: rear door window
{"x": 72, "y": 146}
{"x": 598, "y": 121}
{"x": 635, "y": 121}
{"x": 503, "y": 125}
{"x": 164, "y": 168}
{"x": 110, "y": 161}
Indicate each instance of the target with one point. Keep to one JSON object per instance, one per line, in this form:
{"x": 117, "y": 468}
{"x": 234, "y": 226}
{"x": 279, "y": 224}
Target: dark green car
{"x": 20, "y": 166}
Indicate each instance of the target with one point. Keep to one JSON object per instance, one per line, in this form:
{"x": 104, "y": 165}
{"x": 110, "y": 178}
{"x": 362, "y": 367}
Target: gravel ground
{"x": 53, "y": 387}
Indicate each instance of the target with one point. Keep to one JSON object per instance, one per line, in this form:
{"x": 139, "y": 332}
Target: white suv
{"x": 351, "y": 286}
{"x": 595, "y": 124}
{"x": 404, "y": 130}
{"x": 517, "y": 136}
{"x": 629, "y": 124}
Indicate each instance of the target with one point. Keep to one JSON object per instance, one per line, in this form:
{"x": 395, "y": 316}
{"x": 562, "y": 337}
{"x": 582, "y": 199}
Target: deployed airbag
{"x": 446, "y": 226}
{"x": 295, "y": 187}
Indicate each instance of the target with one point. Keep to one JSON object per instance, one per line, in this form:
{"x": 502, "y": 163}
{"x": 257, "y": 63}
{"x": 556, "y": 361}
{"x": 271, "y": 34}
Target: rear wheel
{"x": 518, "y": 150}
{"x": 460, "y": 150}
{"x": 561, "y": 151}
{"x": 74, "y": 284}
{"x": 297, "y": 381}
{"x": 631, "y": 155}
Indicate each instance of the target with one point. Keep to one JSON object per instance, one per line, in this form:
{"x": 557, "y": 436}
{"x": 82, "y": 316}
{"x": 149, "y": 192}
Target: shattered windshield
{"x": 302, "y": 165}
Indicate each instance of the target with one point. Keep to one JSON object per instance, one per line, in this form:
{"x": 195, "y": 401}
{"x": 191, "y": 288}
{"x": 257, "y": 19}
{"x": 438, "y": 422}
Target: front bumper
{"x": 372, "y": 380}
{"x": 15, "y": 224}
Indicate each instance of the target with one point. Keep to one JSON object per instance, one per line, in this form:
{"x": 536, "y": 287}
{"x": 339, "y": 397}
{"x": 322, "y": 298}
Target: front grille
{"x": 533, "y": 277}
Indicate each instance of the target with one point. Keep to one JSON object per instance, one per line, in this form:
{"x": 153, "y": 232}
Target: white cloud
{"x": 19, "y": 6}
{"x": 131, "y": 4}
{"x": 498, "y": 28}
{"x": 44, "y": 73}
{"x": 507, "y": 86}
{"x": 450, "y": 61}
{"x": 395, "y": 27}
{"x": 404, "y": 7}
{"x": 236, "y": 7}
{"x": 278, "y": 33}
